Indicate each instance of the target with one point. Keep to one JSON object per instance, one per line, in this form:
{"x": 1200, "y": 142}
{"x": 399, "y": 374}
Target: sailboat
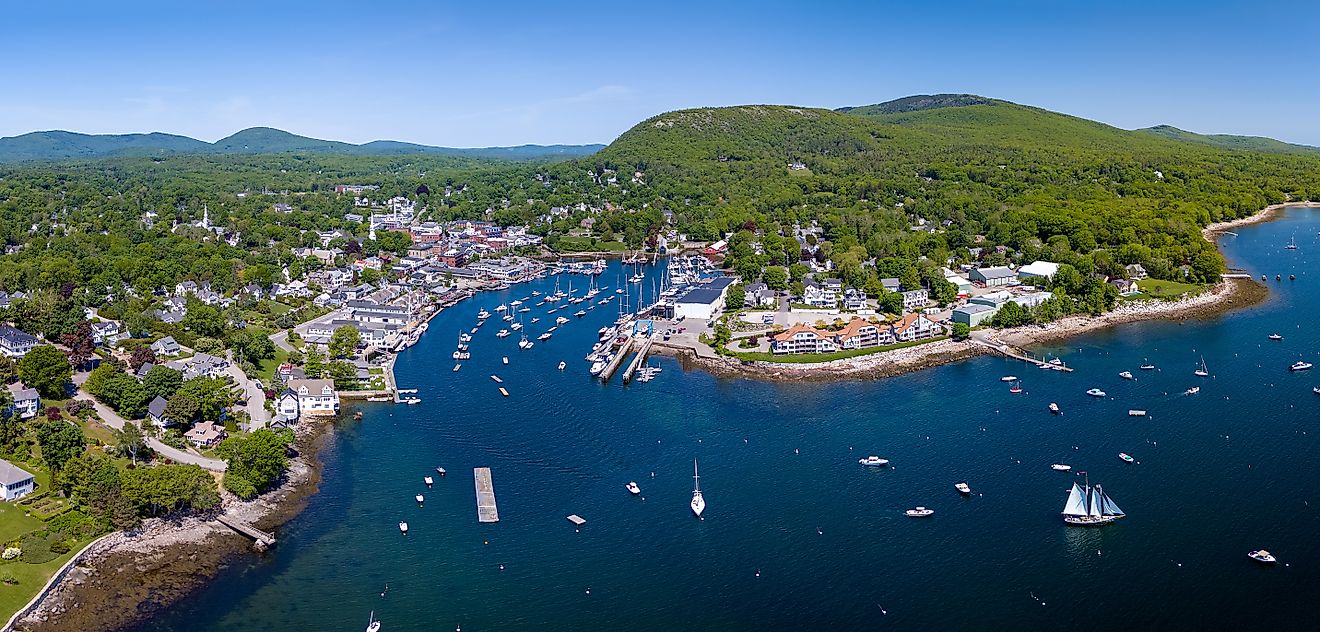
{"x": 1017, "y": 388}
{"x": 1292, "y": 245}
{"x": 1202, "y": 371}
{"x": 698, "y": 503}
{"x": 1090, "y": 506}
{"x": 373, "y": 624}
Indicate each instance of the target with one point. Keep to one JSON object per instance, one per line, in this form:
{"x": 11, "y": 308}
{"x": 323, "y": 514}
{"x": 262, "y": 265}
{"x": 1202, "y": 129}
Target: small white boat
{"x": 1127, "y": 458}
{"x": 403, "y": 528}
{"x": 1147, "y": 366}
{"x": 560, "y": 320}
{"x": 1262, "y": 556}
{"x": 483, "y": 314}
{"x": 502, "y": 307}
{"x": 502, "y": 333}
{"x": 562, "y": 364}
{"x": 544, "y": 336}
{"x": 1054, "y": 408}
{"x": 580, "y": 313}
{"x": 412, "y": 400}
{"x": 698, "y": 501}
{"x": 1192, "y": 391}
{"x": 1136, "y": 412}
{"x": 1202, "y": 371}
{"x": 962, "y": 487}
{"x": 1276, "y": 337}
{"x": 462, "y": 355}
{"x": 1008, "y": 378}
{"x": 919, "y": 512}
{"x": 1095, "y": 392}
{"x": 373, "y": 625}
{"x": 873, "y": 461}
{"x": 420, "y": 499}
{"x": 457, "y": 367}
{"x": 497, "y": 379}
{"x": 597, "y": 367}
{"x": 428, "y": 480}
{"x": 1300, "y": 366}
{"x": 506, "y": 359}
{"x": 1061, "y": 467}
{"x": 1315, "y": 389}
{"x": 1127, "y": 375}
{"x": 633, "y": 488}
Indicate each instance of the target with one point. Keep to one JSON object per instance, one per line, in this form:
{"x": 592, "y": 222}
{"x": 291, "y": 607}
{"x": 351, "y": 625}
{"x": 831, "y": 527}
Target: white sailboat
{"x": 1090, "y": 506}
{"x": 1202, "y": 371}
{"x": 698, "y": 503}
{"x": 373, "y": 624}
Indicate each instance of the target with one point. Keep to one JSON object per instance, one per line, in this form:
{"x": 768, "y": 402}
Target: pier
{"x": 618, "y": 360}
{"x": 1017, "y": 354}
{"x": 638, "y": 360}
{"x": 486, "y": 509}
{"x": 261, "y": 539}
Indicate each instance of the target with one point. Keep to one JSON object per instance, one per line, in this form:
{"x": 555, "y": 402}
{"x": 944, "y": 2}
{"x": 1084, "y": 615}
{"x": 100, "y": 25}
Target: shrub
{"x": 7, "y": 577}
{"x": 61, "y": 546}
{"x": 11, "y": 553}
{"x": 36, "y": 550}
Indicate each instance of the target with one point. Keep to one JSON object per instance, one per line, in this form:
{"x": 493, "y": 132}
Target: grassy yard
{"x": 14, "y": 522}
{"x": 102, "y": 433}
{"x": 266, "y": 371}
{"x": 30, "y": 578}
{"x": 804, "y": 358}
{"x": 1159, "y": 288}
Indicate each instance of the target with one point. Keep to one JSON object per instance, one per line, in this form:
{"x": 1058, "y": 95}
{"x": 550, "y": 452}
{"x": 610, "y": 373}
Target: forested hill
{"x": 61, "y": 145}
{"x": 1230, "y": 141}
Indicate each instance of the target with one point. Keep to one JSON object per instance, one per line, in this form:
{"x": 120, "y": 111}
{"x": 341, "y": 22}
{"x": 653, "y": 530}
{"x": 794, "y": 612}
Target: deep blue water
{"x": 1220, "y": 473}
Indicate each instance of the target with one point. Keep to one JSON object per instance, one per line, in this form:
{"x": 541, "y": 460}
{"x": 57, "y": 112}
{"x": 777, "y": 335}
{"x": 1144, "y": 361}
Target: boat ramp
{"x": 486, "y": 509}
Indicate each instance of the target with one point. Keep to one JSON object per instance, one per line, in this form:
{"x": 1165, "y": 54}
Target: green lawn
{"x": 96, "y": 430}
{"x": 14, "y": 522}
{"x": 31, "y": 577}
{"x": 804, "y": 358}
{"x": 1159, "y": 288}
{"x": 266, "y": 371}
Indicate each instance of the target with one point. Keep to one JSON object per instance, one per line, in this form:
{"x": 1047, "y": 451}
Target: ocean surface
{"x": 798, "y": 535}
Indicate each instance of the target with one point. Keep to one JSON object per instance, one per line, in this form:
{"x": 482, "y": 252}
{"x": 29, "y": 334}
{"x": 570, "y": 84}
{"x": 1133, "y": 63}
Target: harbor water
{"x": 797, "y": 534}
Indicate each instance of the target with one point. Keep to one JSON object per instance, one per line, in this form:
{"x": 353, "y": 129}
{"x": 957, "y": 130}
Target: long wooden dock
{"x": 1010, "y": 352}
{"x": 618, "y": 360}
{"x": 486, "y": 509}
{"x": 638, "y": 360}
{"x": 262, "y": 539}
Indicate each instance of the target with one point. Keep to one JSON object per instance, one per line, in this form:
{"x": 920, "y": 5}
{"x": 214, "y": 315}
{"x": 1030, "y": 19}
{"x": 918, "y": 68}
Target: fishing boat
{"x": 633, "y": 488}
{"x": 1262, "y": 556}
{"x": 1127, "y": 375}
{"x": 525, "y": 343}
{"x": 372, "y": 624}
{"x": 1202, "y": 371}
{"x": 698, "y": 502}
{"x": 1300, "y": 366}
{"x": 1090, "y": 506}
{"x": 873, "y": 461}
{"x": 1127, "y": 458}
{"x": 516, "y": 326}
{"x": 1192, "y": 391}
{"x": 428, "y": 480}
{"x": 1054, "y": 408}
{"x": 1008, "y": 378}
{"x": 1061, "y": 467}
{"x": 1146, "y": 366}
{"x": 962, "y": 487}
{"x": 1275, "y": 337}
{"x": 403, "y": 528}
{"x": 919, "y": 512}
{"x": 1017, "y": 388}
{"x": 440, "y": 471}
{"x": 1095, "y": 392}
{"x": 1136, "y": 412}
{"x": 420, "y": 499}
{"x": 562, "y": 364}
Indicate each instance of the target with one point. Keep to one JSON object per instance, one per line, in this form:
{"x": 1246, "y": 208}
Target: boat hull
{"x": 1087, "y": 521}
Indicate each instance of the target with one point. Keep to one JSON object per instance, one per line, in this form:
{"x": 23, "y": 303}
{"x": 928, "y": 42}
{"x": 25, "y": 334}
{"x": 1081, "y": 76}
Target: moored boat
{"x": 1054, "y": 408}
{"x": 1127, "y": 458}
{"x": 403, "y": 528}
{"x": 1201, "y": 371}
{"x": 633, "y": 488}
{"x": 1136, "y": 412}
{"x": 1095, "y": 392}
{"x": 1008, "y": 378}
{"x": 919, "y": 512}
{"x": 428, "y": 480}
{"x": 698, "y": 503}
{"x": 873, "y": 461}
{"x": 420, "y": 499}
{"x": 373, "y": 625}
{"x": 1127, "y": 375}
{"x": 962, "y": 487}
{"x": 1300, "y": 366}
{"x": 1061, "y": 467}
{"x": 1192, "y": 391}
{"x": 1262, "y": 556}
{"x": 1275, "y": 337}
{"x": 1089, "y": 506}
{"x": 1017, "y": 388}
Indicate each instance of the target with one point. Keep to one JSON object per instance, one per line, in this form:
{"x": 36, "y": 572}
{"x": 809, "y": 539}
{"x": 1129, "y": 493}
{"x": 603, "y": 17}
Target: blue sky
{"x": 504, "y": 73}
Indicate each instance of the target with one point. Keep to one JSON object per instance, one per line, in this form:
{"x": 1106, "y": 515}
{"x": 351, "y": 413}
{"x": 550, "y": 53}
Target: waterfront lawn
{"x": 1159, "y": 288}
{"x": 14, "y": 522}
{"x": 29, "y": 579}
{"x": 806, "y": 358}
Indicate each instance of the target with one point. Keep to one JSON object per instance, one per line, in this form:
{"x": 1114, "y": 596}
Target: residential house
{"x": 27, "y": 402}
{"x": 1125, "y": 286}
{"x": 858, "y": 334}
{"x": 15, "y": 482}
{"x": 106, "y": 333}
{"x": 314, "y": 397}
{"x": 993, "y": 277}
{"x": 854, "y": 299}
{"x": 142, "y": 371}
{"x": 915, "y": 299}
{"x": 819, "y": 296}
{"x": 166, "y": 347}
{"x": 206, "y": 434}
{"x": 802, "y": 339}
{"x": 156, "y": 412}
{"x": 170, "y": 318}
{"x": 759, "y": 295}
{"x": 369, "y": 312}
{"x": 916, "y": 327}
{"x": 1136, "y": 271}
{"x": 891, "y": 284}
{"x": 15, "y": 343}
{"x": 184, "y": 288}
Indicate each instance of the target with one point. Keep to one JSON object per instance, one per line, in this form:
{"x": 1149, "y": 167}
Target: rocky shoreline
{"x": 127, "y": 576}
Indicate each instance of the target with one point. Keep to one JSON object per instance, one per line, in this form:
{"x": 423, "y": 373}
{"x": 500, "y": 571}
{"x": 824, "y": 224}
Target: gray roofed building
{"x": 156, "y": 411}
{"x": 15, "y": 482}
{"x": 15, "y": 343}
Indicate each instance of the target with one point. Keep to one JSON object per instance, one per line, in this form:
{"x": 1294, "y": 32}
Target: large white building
{"x": 308, "y": 397}
{"x": 704, "y": 301}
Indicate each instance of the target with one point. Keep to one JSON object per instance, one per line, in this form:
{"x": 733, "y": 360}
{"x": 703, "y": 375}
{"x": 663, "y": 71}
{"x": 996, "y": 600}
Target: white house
{"x": 802, "y": 339}
{"x": 206, "y": 434}
{"x": 166, "y": 346}
{"x": 315, "y": 397}
{"x": 105, "y": 333}
{"x": 15, "y": 343}
{"x": 913, "y": 299}
{"x": 916, "y": 327}
{"x": 27, "y": 401}
{"x": 14, "y": 481}
{"x": 156, "y": 412}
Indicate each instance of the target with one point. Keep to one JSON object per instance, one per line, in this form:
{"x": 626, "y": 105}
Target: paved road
{"x": 281, "y": 340}
{"x": 113, "y": 420}
{"x": 255, "y": 397}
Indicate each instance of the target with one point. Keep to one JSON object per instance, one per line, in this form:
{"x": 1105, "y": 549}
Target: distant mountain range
{"x": 58, "y": 145}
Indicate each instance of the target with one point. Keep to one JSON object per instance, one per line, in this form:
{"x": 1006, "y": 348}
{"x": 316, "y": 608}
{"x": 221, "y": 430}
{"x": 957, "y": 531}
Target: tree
{"x": 251, "y": 346}
{"x": 909, "y": 279}
{"x": 130, "y": 440}
{"x": 205, "y": 320}
{"x": 344, "y": 341}
{"x": 47, "y": 370}
{"x": 8, "y": 370}
{"x": 59, "y": 441}
{"x": 9, "y": 421}
{"x": 344, "y": 374}
{"x": 79, "y": 343}
{"x": 891, "y": 302}
{"x": 256, "y": 461}
{"x": 315, "y": 365}
{"x": 168, "y": 488}
{"x": 181, "y": 409}
{"x": 797, "y": 272}
{"x": 92, "y": 481}
{"x": 141, "y": 355}
{"x": 776, "y": 278}
{"x": 211, "y": 394}
{"x": 736, "y": 298}
{"x": 961, "y": 331}
{"x": 161, "y": 381}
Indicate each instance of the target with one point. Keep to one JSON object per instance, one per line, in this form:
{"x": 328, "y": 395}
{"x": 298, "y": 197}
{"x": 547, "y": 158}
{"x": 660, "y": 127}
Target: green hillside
{"x": 1229, "y": 141}
{"x": 61, "y": 145}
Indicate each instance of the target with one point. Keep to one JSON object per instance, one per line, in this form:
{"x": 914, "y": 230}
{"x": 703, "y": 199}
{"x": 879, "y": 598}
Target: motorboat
{"x": 1315, "y": 389}
{"x": 633, "y": 488}
{"x": 502, "y": 307}
{"x": 1300, "y": 366}
{"x": 428, "y": 480}
{"x": 544, "y": 336}
{"x": 403, "y": 528}
{"x": 562, "y": 364}
{"x": 1192, "y": 391}
{"x": 1276, "y": 337}
{"x": 1089, "y": 506}
{"x": 919, "y": 512}
{"x": 1095, "y": 392}
{"x": 1127, "y": 458}
{"x": 1147, "y": 366}
{"x": 873, "y": 461}
{"x": 560, "y": 320}
{"x": 1136, "y": 412}
{"x": 483, "y": 314}
{"x": 461, "y": 355}
{"x": 516, "y": 326}
{"x": 580, "y": 313}
{"x": 457, "y": 367}
{"x": 505, "y": 359}
{"x": 1008, "y": 378}
{"x": 1127, "y": 375}
{"x": 698, "y": 502}
{"x": 503, "y": 333}
{"x": 420, "y": 499}
{"x": 1054, "y": 408}
{"x": 1017, "y": 388}
{"x": 597, "y": 367}
{"x": 962, "y": 487}
{"x": 1061, "y": 467}
{"x": 1262, "y": 556}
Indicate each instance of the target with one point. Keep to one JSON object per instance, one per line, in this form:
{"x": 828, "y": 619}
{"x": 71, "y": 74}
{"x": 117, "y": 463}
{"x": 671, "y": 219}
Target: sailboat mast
{"x": 696, "y": 479}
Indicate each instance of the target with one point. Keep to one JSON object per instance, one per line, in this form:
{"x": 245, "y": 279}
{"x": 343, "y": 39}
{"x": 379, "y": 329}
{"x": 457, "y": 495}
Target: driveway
{"x": 112, "y": 419}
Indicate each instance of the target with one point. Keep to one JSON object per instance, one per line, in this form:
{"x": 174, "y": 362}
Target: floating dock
{"x": 1017, "y": 354}
{"x": 486, "y": 509}
{"x": 577, "y": 520}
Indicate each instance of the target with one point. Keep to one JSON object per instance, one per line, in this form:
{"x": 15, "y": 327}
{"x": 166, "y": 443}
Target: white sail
{"x": 1093, "y": 502}
{"x": 1076, "y": 505}
{"x": 1108, "y": 506}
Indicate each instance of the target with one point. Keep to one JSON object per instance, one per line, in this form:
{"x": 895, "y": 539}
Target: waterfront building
{"x": 314, "y": 397}
{"x": 703, "y": 300}
{"x": 973, "y": 314}
{"x": 802, "y": 339}
{"x": 1036, "y": 270}
{"x": 916, "y": 327}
